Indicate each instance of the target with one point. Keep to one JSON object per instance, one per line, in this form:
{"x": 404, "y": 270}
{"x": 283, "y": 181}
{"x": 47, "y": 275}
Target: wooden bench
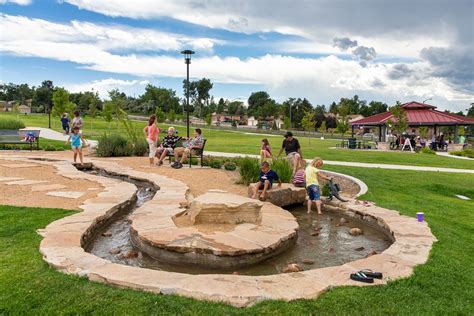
{"x": 198, "y": 153}
{"x": 20, "y": 137}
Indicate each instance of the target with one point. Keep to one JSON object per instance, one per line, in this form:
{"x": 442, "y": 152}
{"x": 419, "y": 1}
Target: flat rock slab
{"x": 66, "y": 194}
{"x": 26, "y": 182}
{"x": 10, "y": 179}
{"x": 19, "y": 165}
{"x": 47, "y": 187}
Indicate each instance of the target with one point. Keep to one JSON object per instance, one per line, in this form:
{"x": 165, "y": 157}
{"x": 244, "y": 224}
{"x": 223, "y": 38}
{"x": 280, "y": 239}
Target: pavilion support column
{"x": 380, "y": 133}
{"x": 435, "y": 131}
{"x": 352, "y": 131}
{"x": 456, "y": 134}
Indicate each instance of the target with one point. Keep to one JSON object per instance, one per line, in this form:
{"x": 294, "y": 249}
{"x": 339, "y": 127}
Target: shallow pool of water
{"x": 331, "y": 246}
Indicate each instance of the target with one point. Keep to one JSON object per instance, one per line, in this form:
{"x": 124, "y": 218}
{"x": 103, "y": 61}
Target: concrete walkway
{"x": 54, "y": 135}
{"x": 444, "y": 154}
{"x": 360, "y": 164}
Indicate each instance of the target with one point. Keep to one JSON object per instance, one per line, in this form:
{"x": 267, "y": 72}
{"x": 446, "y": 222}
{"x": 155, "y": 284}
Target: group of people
{"x": 302, "y": 176}
{"x": 169, "y": 145}
{"x": 75, "y": 134}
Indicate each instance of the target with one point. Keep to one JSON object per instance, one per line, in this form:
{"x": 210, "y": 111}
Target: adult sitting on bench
{"x": 167, "y": 145}
{"x": 194, "y": 144}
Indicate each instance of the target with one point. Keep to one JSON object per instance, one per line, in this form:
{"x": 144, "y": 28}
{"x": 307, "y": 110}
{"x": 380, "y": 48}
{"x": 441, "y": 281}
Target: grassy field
{"x": 442, "y": 286}
{"x": 241, "y": 142}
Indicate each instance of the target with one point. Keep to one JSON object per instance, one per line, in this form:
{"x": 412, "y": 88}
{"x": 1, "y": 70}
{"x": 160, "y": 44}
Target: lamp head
{"x": 187, "y": 55}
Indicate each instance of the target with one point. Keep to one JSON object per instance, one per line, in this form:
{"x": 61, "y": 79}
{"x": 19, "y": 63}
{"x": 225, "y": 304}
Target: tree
{"x": 399, "y": 121}
{"x": 107, "y": 112}
{"x": 320, "y": 115}
{"x": 235, "y": 107}
{"x": 163, "y": 98}
{"x": 171, "y": 115}
{"x": 298, "y": 107}
{"x": 43, "y": 95}
{"x": 470, "y": 111}
{"x": 199, "y": 92}
{"x": 220, "y": 106}
{"x": 92, "y": 107}
{"x": 333, "y": 108}
{"x": 308, "y": 122}
{"x": 342, "y": 124}
{"x": 208, "y": 119}
{"x": 61, "y": 102}
{"x": 256, "y": 101}
{"x": 160, "y": 116}
{"x": 286, "y": 122}
{"x": 423, "y": 132}
{"x": 323, "y": 127}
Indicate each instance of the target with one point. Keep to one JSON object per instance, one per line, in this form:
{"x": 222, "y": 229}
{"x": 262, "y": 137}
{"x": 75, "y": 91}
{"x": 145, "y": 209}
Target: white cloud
{"x": 106, "y": 37}
{"x": 105, "y": 85}
{"x": 19, "y": 2}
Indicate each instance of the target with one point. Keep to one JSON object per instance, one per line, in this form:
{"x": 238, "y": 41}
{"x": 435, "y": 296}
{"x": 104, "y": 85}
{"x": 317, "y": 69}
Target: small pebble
{"x": 359, "y": 249}
{"x": 107, "y": 234}
{"x": 115, "y": 251}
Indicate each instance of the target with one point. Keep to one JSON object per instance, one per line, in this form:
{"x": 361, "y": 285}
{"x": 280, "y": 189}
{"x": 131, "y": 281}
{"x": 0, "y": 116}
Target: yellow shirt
{"x": 311, "y": 176}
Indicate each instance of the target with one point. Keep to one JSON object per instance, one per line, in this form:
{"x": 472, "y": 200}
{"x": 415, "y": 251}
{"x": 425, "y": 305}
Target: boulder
{"x": 355, "y": 231}
{"x": 224, "y": 208}
{"x": 130, "y": 254}
{"x": 292, "y": 267}
{"x": 288, "y": 194}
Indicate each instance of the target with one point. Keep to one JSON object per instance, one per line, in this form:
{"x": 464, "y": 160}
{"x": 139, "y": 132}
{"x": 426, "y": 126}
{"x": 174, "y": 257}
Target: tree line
{"x": 297, "y": 113}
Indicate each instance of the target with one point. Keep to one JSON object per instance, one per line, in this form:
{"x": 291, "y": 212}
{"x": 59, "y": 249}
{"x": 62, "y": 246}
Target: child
{"x": 265, "y": 181}
{"x": 312, "y": 185}
{"x": 299, "y": 177}
{"x": 75, "y": 138}
{"x": 265, "y": 150}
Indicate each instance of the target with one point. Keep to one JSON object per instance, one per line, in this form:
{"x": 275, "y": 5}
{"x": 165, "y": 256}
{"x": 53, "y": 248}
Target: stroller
{"x": 334, "y": 191}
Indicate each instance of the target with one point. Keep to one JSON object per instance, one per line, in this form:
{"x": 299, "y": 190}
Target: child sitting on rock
{"x": 312, "y": 185}
{"x": 265, "y": 183}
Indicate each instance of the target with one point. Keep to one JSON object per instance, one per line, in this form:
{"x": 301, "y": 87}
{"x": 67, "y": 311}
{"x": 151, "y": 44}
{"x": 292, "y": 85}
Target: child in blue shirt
{"x": 75, "y": 139}
{"x": 265, "y": 181}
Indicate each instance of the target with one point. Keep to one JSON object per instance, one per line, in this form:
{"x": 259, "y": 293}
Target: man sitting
{"x": 292, "y": 149}
{"x": 192, "y": 146}
{"x": 167, "y": 145}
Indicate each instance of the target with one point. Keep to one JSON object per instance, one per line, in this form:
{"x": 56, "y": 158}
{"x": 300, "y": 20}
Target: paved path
{"x": 444, "y": 154}
{"x": 360, "y": 164}
{"x": 54, "y": 135}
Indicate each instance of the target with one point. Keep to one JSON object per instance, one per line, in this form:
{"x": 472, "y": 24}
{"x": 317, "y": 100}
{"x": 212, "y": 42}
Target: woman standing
{"x": 77, "y": 121}
{"x": 151, "y": 134}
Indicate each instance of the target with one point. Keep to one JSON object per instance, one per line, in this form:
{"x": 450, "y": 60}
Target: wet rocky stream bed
{"x": 322, "y": 241}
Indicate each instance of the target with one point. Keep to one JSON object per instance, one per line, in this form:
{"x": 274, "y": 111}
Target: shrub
{"x": 230, "y": 166}
{"x": 113, "y": 146}
{"x": 140, "y": 147}
{"x": 50, "y": 147}
{"x": 11, "y": 124}
{"x": 206, "y": 161}
{"x": 60, "y": 148}
{"x": 464, "y": 153}
{"x": 216, "y": 164}
{"x": 249, "y": 170}
{"x": 426, "y": 150}
{"x": 283, "y": 169}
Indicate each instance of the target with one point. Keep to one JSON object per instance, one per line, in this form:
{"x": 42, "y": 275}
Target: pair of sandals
{"x": 366, "y": 276}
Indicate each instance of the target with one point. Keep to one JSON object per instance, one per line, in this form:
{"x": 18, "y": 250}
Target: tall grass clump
{"x": 283, "y": 169}
{"x": 428, "y": 151}
{"x": 12, "y": 124}
{"x": 113, "y": 145}
{"x": 468, "y": 152}
{"x": 249, "y": 169}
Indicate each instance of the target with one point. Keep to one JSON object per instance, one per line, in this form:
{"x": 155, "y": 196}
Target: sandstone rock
{"x": 359, "y": 249}
{"x": 130, "y": 254}
{"x": 288, "y": 194}
{"x": 343, "y": 221}
{"x": 224, "y": 208}
{"x": 315, "y": 233}
{"x": 292, "y": 267}
{"x": 373, "y": 252}
{"x": 308, "y": 261}
{"x": 355, "y": 231}
{"x": 115, "y": 251}
{"x": 107, "y": 234}
{"x": 331, "y": 250}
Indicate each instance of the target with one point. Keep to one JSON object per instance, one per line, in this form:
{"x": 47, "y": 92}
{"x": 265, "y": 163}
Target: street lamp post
{"x": 50, "y": 105}
{"x": 187, "y": 60}
{"x": 427, "y": 100}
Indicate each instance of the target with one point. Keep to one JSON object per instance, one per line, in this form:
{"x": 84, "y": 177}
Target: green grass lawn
{"x": 442, "y": 286}
{"x": 240, "y": 142}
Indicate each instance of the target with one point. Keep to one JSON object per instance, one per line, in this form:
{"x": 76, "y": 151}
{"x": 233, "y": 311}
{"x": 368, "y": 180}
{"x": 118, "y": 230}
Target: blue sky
{"x": 322, "y": 50}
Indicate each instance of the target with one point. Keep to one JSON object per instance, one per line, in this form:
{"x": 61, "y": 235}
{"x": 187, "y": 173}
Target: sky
{"x": 322, "y": 50}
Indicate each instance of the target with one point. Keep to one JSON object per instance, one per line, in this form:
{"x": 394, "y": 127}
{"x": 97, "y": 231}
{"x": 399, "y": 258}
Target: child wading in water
{"x": 312, "y": 185}
{"x": 265, "y": 180}
{"x": 265, "y": 151}
{"x": 75, "y": 139}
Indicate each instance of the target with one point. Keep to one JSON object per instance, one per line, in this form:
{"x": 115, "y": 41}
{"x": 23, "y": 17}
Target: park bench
{"x": 198, "y": 153}
{"x": 17, "y": 137}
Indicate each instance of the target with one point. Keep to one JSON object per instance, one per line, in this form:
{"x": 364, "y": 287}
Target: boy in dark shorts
{"x": 265, "y": 181}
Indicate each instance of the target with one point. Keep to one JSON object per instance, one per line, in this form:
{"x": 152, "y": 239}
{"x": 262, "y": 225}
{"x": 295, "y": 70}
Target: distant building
{"x": 252, "y": 121}
{"x": 24, "y": 109}
{"x": 6, "y": 106}
{"x": 225, "y": 119}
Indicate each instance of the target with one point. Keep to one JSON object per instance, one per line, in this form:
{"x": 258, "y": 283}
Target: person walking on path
{"x": 76, "y": 140}
{"x": 65, "y": 123}
{"x": 77, "y": 121}
{"x": 151, "y": 133}
{"x": 312, "y": 184}
{"x": 292, "y": 150}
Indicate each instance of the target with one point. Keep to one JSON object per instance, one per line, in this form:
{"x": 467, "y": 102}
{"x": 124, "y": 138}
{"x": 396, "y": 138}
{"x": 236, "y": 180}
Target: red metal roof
{"x": 418, "y": 114}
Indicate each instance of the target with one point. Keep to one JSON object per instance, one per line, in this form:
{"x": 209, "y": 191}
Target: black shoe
{"x": 174, "y": 164}
{"x": 179, "y": 166}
